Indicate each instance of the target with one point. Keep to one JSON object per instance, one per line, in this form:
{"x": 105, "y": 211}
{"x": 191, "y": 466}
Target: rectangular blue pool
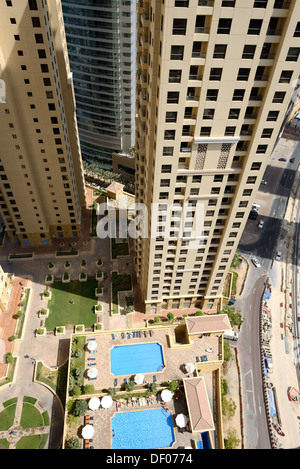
{"x": 136, "y": 358}
{"x": 143, "y": 429}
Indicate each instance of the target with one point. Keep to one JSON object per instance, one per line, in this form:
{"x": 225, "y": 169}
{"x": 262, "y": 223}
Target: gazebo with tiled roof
{"x": 200, "y": 415}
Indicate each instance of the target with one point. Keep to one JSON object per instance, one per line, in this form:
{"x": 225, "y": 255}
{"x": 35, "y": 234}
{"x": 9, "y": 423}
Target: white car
{"x": 263, "y": 182}
{"x": 278, "y": 255}
{"x": 261, "y": 224}
{"x": 255, "y": 262}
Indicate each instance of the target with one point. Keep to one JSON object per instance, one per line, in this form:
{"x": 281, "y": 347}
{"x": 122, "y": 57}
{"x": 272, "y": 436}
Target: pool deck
{"x": 174, "y": 359}
{"x": 102, "y": 422}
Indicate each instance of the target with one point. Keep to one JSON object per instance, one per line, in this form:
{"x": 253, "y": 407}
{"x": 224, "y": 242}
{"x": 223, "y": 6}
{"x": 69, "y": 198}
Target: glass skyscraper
{"x": 101, "y": 37}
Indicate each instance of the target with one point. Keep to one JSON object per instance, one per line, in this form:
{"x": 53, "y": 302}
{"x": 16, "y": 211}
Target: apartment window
{"x": 261, "y": 149}
{"x": 238, "y": 95}
{"x": 228, "y": 3}
{"x": 163, "y": 195}
{"x": 255, "y": 166}
{"x": 208, "y": 113}
{"x": 173, "y": 97}
{"x": 230, "y": 131}
{"x": 297, "y": 30}
{"x": 171, "y": 116}
{"x": 179, "y": 26}
{"x": 260, "y": 4}
{"x": 234, "y": 113}
{"x": 267, "y": 133}
{"x": 39, "y": 38}
{"x": 8, "y": 3}
{"x": 293, "y": 54}
{"x": 205, "y": 131}
{"x": 44, "y": 68}
{"x": 279, "y": 97}
{"x": 254, "y": 27}
{"x": 36, "y": 22}
{"x": 272, "y": 116}
{"x": 47, "y": 81}
{"x": 243, "y": 74}
{"x": 182, "y": 3}
{"x": 224, "y": 26}
{"x": 32, "y": 5}
{"x": 13, "y": 21}
{"x": 175, "y": 76}
{"x": 212, "y": 95}
{"x": 17, "y": 37}
{"x": 196, "y": 52}
{"x": 215, "y": 74}
{"x": 169, "y": 135}
{"x": 197, "y": 179}
{"x": 166, "y": 168}
{"x": 177, "y": 52}
{"x": 220, "y": 51}
{"x": 20, "y": 53}
{"x": 168, "y": 151}
{"x": 248, "y": 52}
{"x": 42, "y": 53}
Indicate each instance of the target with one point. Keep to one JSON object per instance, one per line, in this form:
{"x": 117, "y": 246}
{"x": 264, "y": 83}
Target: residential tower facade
{"x": 42, "y": 192}
{"x": 215, "y": 79}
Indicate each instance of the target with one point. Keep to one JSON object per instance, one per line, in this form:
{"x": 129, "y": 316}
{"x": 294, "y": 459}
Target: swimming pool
{"x": 136, "y": 358}
{"x": 143, "y": 429}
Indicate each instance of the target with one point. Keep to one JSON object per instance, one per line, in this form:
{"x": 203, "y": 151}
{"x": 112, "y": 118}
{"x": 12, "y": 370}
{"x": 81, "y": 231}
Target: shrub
{"x": 199, "y": 313}
{"x": 46, "y": 293}
{"x": 89, "y": 389}
{"x": 80, "y": 407}
{"x": 9, "y": 358}
{"x": 129, "y": 386}
{"x": 73, "y": 443}
{"x": 156, "y": 319}
{"x": 66, "y": 275}
{"x": 19, "y": 314}
{"x": 170, "y": 316}
{"x": 43, "y": 311}
{"x": 83, "y": 262}
{"x": 12, "y": 338}
{"x": 112, "y": 392}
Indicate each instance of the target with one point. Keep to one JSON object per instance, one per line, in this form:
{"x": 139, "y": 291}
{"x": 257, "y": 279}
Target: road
{"x": 263, "y": 244}
{"x": 257, "y": 435}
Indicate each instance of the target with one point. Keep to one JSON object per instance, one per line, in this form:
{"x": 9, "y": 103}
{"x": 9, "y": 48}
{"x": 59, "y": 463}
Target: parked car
{"x": 282, "y": 159}
{"x": 253, "y": 215}
{"x": 263, "y": 182}
{"x": 278, "y": 255}
{"x": 255, "y": 262}
{"x": 261, "y": 224}
{"x": 292, "y": 160}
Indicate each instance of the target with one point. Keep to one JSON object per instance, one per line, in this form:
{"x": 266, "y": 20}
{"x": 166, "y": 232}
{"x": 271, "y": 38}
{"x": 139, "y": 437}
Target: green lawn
{"x": 63, "y": 313}
{"x": 7, "y": 417}
{"x": 31, "y": 416}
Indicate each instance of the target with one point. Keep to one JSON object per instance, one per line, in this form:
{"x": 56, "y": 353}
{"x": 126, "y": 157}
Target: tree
{"x": 173, "y": 385}
{"x": 9, "y": 358}
{"x": 76, "y": 391}
{"x": 112, "y": 392}
{"x": 89, "y": 389}
{"x": 228, "y": 407}
{"x": 236, "y": 260}
{"x": 234, "y": 316}
{"x": 227, "y": 352}
{"x": 80, "y": 407}
{"x": 170, "y": 316}
{"x": 152, "y": 387}
{"x": 232, "y": 440}
{"x": 129, "y": 386}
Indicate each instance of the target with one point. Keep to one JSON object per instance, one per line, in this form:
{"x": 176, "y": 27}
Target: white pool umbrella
{"x": 92, "y": 372}
{"x": 106, "y": 402}
{"x": 94, "y": 403}
{"x": 190, "y": 367}
{"x": 181, "y": 420}
{"x": 92, "y": 345}
{"x": 139, "y": 378}
{"x": 87, "y": 432}
{"x": 166, "y": 395}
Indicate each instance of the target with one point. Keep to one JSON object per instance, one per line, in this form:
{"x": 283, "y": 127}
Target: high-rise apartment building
{"x": 215, "y": 79}
{"x": 41, "y": 179}
{"x": 101, "y": 37}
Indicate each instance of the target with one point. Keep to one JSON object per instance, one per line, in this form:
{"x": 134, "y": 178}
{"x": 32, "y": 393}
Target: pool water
{"x": 143, "y": 429}
{"x": 136, "y": 358}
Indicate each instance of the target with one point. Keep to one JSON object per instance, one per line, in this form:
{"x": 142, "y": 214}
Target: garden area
{"x": 119, "y": 282}
{"x": 72, "y": 303}
{"x": 119, "y": 249}
{"x": 31, "y": 420}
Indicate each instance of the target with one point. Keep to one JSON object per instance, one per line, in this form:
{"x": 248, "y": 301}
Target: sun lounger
{"x": 91, "y": 358}
{"x": 125, "y": 380}
{"x": 92, "y": 364}
{"x": 197, "y": 359}
{"x": 93, "y": 351}
{"x": 146, "y": 334}
{"x": 92, "y": 379}
{"x": 151, "y": 333}
{"x": 133, "y": 334}
{"x": 123, "y": 335}
{"x": 113, "y": 336}
{"x": 128, "y": 335}
{"x": 140, "y": 333}
{"x": 116, "y": 382}
{"x": 154, "y": 378}
{"x": 92, "y": 338}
